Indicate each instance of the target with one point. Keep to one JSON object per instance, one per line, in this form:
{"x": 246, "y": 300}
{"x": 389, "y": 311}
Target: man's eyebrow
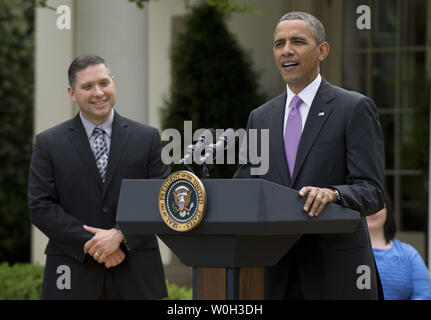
{"x": 293, "y": 38}
{"x": 91, "y": 82}
{"x": 298, "y": 38}
{"x": 85, "y": 84}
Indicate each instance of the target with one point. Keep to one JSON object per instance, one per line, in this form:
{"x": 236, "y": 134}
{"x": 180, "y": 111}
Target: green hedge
{"x": 23, "y": 281}
{"x": 178, "y": 293}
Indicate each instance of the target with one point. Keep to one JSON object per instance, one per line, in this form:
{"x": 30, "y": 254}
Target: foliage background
{"x": 213, "y": 82}
{"x": 16, "y": 126}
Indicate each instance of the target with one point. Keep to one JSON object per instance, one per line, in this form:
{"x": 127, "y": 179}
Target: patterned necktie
{"x": 100, "y": 151}
{"x": 293, "y": 132}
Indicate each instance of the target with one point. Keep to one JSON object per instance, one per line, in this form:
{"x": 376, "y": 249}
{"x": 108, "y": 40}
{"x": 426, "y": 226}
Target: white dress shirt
{"x": 307, "y": 96}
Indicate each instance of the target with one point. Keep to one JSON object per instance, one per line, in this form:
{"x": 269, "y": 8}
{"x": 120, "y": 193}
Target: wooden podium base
{"x": 228, "y": 283}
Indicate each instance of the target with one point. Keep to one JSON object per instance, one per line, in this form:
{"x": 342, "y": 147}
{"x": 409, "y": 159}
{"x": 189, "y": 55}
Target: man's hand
{"x": 317, "y": 199}
{"x": 115, "y": 259}
{"x": 103, "y": 244}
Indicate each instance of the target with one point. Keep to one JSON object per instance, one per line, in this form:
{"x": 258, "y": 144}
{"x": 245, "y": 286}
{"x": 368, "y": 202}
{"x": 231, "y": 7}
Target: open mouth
{"x": 100, "y": 103}
{"x": 288, "y": 65}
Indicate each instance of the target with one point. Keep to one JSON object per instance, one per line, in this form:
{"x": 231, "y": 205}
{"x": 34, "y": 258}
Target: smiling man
{"x": 327, "y": 143}
{"x": 74, "y": 184}
{"x": 93, "y": 89}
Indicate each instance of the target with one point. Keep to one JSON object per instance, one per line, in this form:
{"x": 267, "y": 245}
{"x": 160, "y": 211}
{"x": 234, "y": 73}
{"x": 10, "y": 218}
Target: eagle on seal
{"x": 182, "y": 197}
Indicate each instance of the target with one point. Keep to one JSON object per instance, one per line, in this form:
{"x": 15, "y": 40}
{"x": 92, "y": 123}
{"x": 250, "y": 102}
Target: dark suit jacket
{"x": 343, "y": 148}
{"x": 66, "y": 191}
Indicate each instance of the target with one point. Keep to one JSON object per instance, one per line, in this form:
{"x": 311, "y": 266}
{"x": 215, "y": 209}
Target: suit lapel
{"x": 277, "y": 140}
{"x": 119, "y": 136}
{"x": 319, "y": 113}
{"x": 79, "y": 140}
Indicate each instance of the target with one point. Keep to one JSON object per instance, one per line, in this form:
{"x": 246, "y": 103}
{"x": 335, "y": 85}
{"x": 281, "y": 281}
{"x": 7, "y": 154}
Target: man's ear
{"x": 71, "y": 93}
{"x": 324, "y": 50}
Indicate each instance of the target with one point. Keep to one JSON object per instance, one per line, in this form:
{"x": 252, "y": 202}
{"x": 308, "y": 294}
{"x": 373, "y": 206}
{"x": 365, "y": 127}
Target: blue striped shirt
{"x": 403, "y": 273}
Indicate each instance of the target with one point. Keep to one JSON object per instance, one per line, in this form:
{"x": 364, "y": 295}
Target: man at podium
{"x": 327, "y": 143}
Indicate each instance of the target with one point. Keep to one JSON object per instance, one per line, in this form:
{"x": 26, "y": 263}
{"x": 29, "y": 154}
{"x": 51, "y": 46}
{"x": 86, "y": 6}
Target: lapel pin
{"x": 321, "y": 114}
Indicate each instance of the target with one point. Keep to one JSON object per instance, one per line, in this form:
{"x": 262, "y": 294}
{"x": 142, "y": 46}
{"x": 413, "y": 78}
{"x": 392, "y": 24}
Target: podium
{"x": 249, "y": 224}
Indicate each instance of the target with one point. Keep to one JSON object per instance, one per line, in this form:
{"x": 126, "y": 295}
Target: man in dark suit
{"x": 327, "y": 143}
{"x": 74, "y": 185}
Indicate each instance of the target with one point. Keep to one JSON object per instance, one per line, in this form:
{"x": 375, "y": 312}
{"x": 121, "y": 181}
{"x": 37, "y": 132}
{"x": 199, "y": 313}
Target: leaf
{"x": 231, "y": 6}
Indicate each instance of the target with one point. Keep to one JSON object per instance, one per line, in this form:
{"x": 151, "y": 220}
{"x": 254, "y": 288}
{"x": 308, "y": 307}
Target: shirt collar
{"x": 307, "y": 94}
{"x": 106, "y": 126}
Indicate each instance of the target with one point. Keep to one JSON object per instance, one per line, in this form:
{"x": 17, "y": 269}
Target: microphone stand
{"x": 205, "y": 170}
{"x": 205, "y": 167}
{"x": 187, "y": 167}
{"x": 184, "y": 165}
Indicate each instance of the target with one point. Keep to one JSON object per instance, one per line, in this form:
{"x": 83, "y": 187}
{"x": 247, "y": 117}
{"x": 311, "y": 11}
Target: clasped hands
{"x": 317, "y": 199}
{"x": 104, "y": 247}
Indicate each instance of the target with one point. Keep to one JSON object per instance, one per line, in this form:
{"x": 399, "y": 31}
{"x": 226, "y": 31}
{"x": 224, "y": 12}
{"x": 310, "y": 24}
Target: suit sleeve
{"x": 156, "y": 170}
{"x": 365, "y": 160}
{"x": 46, "y": 214}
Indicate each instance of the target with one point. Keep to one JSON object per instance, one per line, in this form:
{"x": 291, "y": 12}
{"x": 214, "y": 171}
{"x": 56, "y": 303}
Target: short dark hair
{"x": 317, "y": 28}
{"x": 390, "y": 226}
{"x": 82, "y": 62}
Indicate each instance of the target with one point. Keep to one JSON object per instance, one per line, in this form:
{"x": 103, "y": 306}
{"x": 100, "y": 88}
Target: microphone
{"x": 204, "y": 139}
{"x": 226, "y": 140}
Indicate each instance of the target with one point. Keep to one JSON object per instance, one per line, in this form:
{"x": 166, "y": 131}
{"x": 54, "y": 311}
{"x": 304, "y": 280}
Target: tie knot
{"x": 98, "y": 131}
{"x": 296, "y": 101}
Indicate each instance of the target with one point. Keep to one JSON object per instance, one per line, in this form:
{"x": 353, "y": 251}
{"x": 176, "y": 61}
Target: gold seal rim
{"x": 202, "y": 203}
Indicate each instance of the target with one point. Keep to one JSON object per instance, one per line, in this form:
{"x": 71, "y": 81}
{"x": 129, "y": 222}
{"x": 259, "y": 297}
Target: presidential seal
{"x": 182, "y": 201}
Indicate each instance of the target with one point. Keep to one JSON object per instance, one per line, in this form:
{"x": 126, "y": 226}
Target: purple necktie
{"x": 293, "y": 132}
